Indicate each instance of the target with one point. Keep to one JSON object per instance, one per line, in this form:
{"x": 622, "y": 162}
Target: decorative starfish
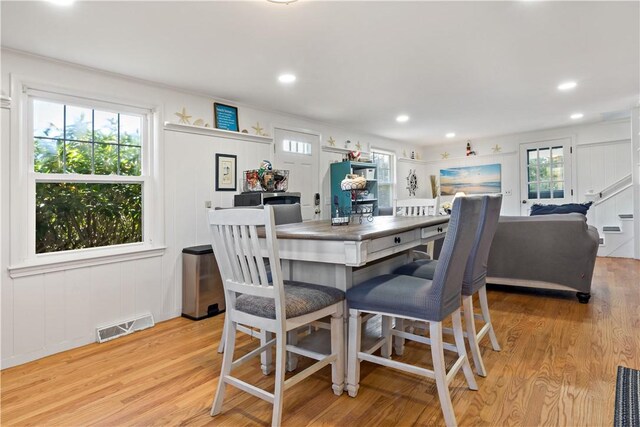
{"x": 184, "y": 117}
{"x": 258, "y": 129}
{"x": 445, "y": 155}
{"x": 497, "y": 148}
{"x": 358, "y": 146}
{"x": 331, "y": 141}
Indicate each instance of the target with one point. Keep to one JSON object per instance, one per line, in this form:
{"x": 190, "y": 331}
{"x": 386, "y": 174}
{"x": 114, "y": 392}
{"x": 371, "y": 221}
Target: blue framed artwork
{"x": 226, "y": 117}
{"x": 471, "y": 180}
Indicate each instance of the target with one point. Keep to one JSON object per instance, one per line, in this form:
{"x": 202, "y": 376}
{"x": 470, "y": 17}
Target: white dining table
{"x": 343, "y": 256}
{"x": 346, "y": 255}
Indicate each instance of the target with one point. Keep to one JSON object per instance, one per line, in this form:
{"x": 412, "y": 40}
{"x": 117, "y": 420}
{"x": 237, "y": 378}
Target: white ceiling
{"x": 473, "y": 68}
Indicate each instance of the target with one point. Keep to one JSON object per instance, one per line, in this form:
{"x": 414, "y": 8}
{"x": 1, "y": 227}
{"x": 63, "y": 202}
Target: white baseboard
{"x": 50, "y": 350}
{"x": 19, "y": 359}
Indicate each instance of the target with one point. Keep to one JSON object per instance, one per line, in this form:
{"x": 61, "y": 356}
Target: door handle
{"x": 524, "y": 202}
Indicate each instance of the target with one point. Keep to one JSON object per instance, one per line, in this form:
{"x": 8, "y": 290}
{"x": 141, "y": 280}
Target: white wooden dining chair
{"x": 418, "y": 207}
{"x": 282, "y": 214}
{"x": 275, "y": 305}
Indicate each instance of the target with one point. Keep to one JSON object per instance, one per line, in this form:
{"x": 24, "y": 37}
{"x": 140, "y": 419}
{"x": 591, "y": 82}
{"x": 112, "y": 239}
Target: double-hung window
{"x": 384, "y": 160}
{"x": 89, "y": 183}
{"x": 87, "y": 165}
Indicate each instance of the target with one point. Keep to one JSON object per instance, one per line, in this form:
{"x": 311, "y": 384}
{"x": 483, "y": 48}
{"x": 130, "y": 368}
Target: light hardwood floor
{"x": 557, "y": 367}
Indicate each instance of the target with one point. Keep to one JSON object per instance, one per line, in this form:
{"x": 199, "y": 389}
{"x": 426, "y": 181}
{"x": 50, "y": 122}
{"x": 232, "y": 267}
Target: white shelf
{"x": 201, "y": 130}
{"x": 505, "y": 153}
{"x": 339, "y": 150}
{"x": 416, "y": 161}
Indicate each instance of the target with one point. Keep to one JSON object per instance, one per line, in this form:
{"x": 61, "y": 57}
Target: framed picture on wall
{"x": 481, "y": 179}
{"x": 226, "y": 176}
{"x": 225, "y": 117}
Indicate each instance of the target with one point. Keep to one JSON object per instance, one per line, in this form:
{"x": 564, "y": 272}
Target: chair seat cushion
{"x": 426, "y": 269}
{"x": 300, "y": 299}
{"x": 397, "y": 294}
{"x": 422, "y": 268}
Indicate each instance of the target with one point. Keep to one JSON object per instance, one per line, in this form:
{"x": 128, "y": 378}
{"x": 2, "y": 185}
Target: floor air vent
{"x": 109, "y": 332}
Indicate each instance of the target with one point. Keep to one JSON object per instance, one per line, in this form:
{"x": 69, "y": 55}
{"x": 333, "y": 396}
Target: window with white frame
{"x": 88, "y": 176}
{"x": 384, "y": 160}
{"x": 297, "y": 147}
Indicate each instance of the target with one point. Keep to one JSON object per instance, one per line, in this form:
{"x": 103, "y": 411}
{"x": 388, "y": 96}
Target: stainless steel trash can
{"x": 202, "y": 290}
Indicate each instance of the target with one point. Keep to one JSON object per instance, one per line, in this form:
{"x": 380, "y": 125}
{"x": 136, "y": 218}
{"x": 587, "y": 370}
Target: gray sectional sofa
{"x": 546, "y": 251}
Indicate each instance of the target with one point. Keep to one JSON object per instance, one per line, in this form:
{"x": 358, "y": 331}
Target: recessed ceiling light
{"x": 567, "y": 85}
{"x": 62, "y": 2}
{"x": 577, "y": 116}
{"x": 282, "y": 1}
{"x": 287, "y": 78}
{"x": 402, "y": 118}
{"x": 450, "y": 135}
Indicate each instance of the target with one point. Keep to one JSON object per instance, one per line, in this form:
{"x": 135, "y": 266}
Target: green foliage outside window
{"x": 385, "y": 182}
{"x": 81, "y": 215}
{"x": 74, "y": 214}
{"x": 545, "y": 173}
{"x": 83, "y": 141}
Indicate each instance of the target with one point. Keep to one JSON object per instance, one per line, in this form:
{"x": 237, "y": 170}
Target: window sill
{"x": 83, "y": 260}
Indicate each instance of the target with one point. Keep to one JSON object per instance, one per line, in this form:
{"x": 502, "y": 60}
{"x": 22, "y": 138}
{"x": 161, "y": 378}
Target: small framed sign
{"x": 226, "y": 175}
{"x": 226, "y": 117}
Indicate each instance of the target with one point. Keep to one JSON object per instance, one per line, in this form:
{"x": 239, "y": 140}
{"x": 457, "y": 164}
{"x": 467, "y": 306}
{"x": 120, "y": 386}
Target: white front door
{"x": 545, "y": 173}
{"x": 298, "y": 153}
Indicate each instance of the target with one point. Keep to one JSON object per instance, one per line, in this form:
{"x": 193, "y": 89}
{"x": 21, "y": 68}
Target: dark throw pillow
{"x": 560, "y": 209}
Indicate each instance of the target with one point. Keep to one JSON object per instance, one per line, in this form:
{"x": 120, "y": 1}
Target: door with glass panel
{"x": 297, "y": 152}
{"x": 546, "y": 173}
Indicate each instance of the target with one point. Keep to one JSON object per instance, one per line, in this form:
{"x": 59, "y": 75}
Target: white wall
{"x": 602, "y": 155}
{"x": 635, "y": 146}
{"x": 403, "y": 166}
{"x": 46, "y": 313}
{"x": 600, "y": 165}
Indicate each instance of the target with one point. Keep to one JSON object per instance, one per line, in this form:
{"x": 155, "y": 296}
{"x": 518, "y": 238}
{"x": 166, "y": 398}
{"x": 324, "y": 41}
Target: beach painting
{"x": 471, "y": 180}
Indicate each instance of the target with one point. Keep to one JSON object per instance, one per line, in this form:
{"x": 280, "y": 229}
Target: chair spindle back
{"x": 240, "y": 256}
{"x": 415, "y": 207}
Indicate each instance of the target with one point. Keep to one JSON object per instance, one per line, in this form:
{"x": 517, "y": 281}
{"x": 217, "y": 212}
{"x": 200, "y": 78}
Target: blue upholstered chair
{"x": 287, "y": 214}
{"x": 474, "y": 281}
{"x": 417, "y": 299}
